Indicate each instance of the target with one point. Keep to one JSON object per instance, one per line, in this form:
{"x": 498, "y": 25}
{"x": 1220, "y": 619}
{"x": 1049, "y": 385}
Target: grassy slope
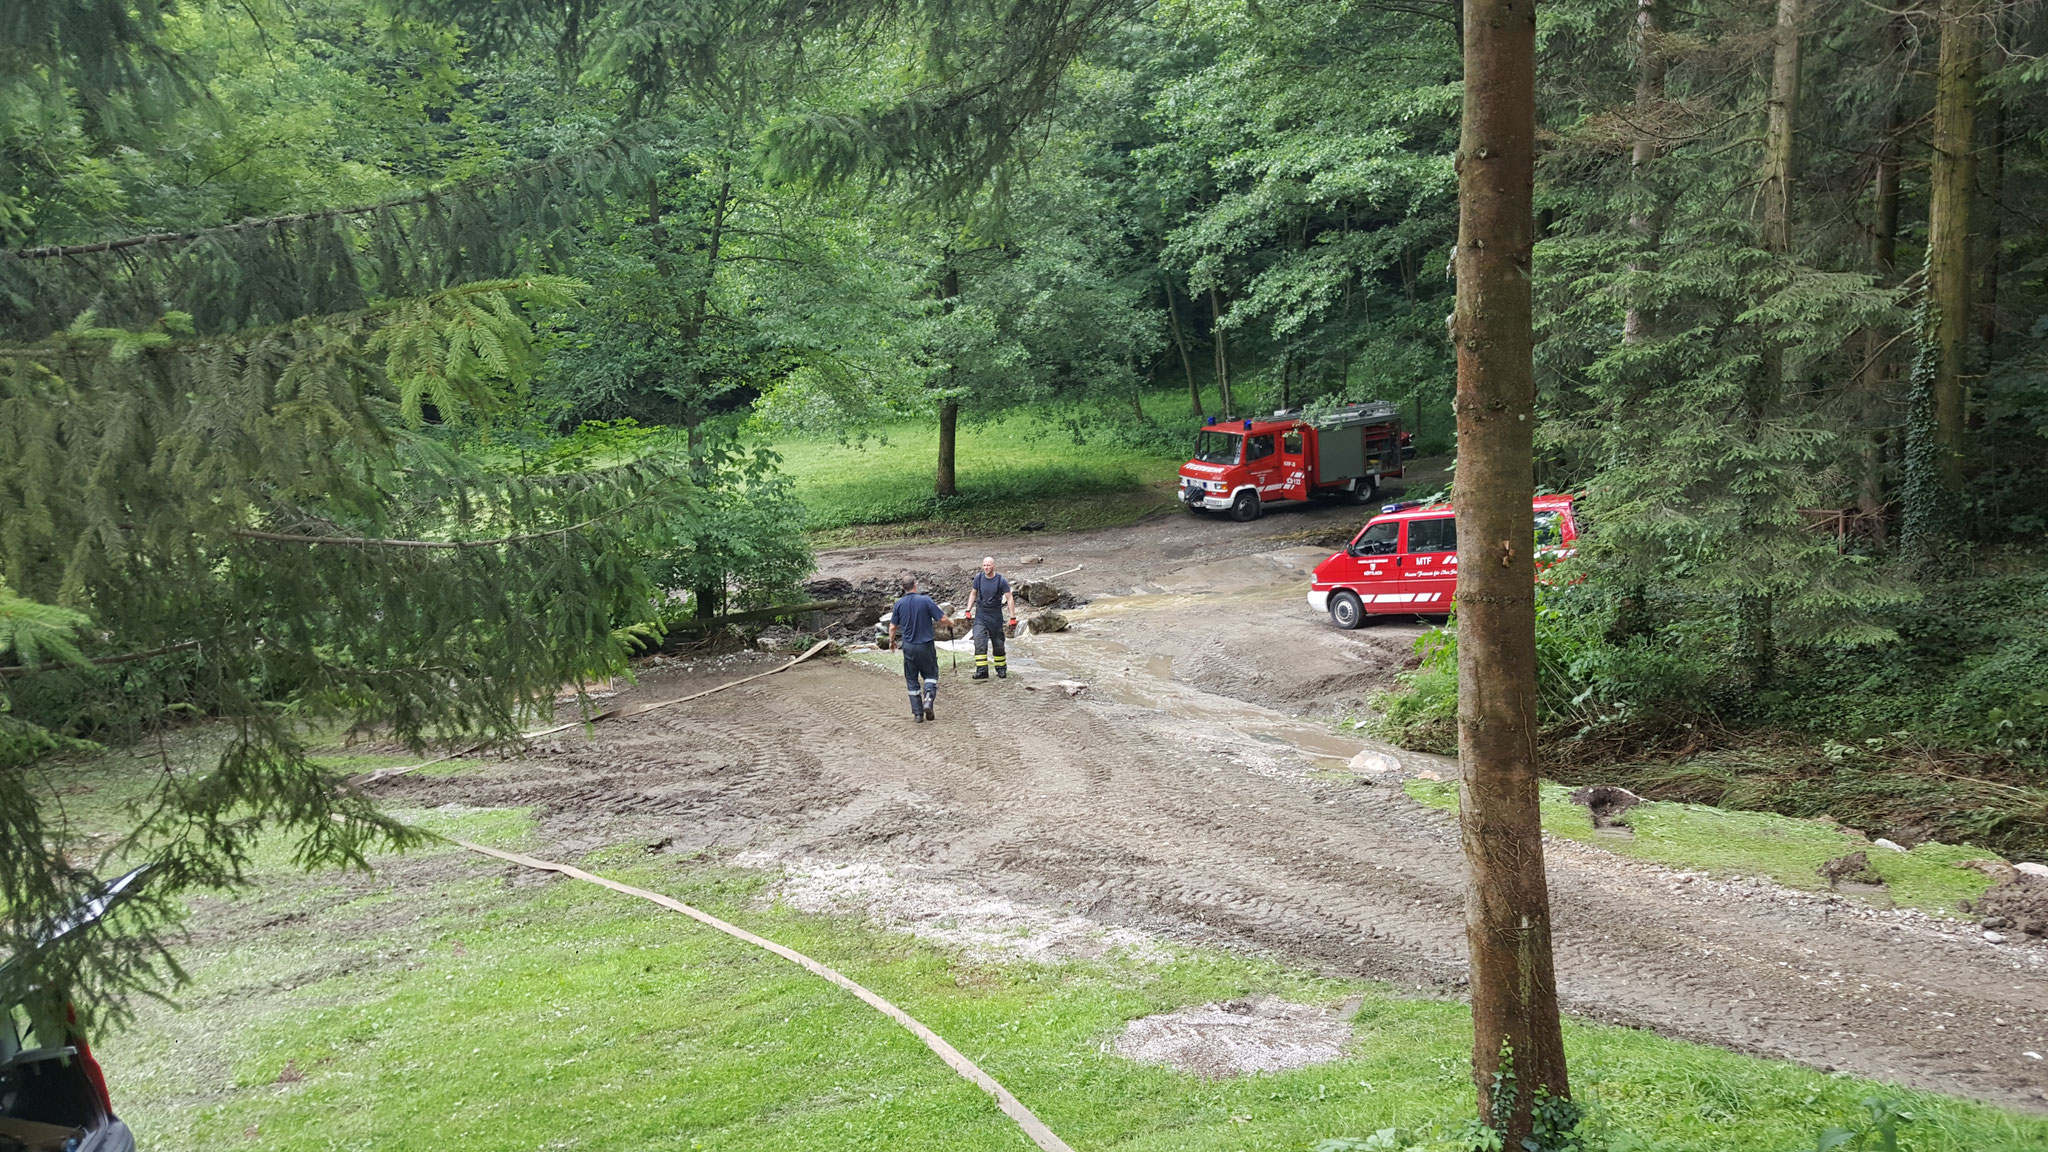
{"x": 1024, "y": 467}
{"x": 1788, "y": 850}
{"x": 475, "y": 1006}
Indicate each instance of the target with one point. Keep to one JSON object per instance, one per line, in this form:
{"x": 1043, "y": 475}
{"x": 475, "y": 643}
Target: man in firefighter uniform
{"x": 914, "y": 620}
{"x": 990, "y": 607}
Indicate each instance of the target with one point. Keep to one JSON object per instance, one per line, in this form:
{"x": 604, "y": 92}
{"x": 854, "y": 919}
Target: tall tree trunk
{"x": 1951, "y": 185}
{"x": 1180, "y": 341}
{"x": 949, "y": 409}
{"x": 1507, "y": 904}
{"x": 1778, "y": 133}
{"x": 1991, "y": 232}
{"x": 1877, "y": 364}
{"x": 695, "y": 402}
{"x": 1222, "y": 354}
{"x": 949, "y": 423}
{"x": 1756, "y": 645}
{"x": 1642, "y": 222}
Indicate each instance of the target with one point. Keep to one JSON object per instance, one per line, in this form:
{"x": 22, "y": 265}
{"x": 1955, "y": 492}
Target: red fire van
{"x": 1405, "y": 561}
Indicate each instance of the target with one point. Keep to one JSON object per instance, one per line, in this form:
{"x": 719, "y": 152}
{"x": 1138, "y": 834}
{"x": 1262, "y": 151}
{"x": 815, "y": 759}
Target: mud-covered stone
{"x": 1851, "y": 869}
{"x": 1049, "y": 620}
{"x": 1607, "y": 802}
{"x": 1037, "y": 593}
{"x": 780, "y": 638}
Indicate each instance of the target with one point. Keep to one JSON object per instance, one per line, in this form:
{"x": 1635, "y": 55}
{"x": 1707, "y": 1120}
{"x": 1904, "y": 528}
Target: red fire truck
{"x": 1343, "y": 454}
{"x": 1405, "y": 561}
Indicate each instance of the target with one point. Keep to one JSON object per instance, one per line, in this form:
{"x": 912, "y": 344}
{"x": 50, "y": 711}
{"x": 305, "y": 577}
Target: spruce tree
{"x": 228, "y": 490}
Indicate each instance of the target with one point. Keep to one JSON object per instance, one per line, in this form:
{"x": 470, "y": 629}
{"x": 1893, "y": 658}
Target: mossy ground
{"x": 1787, "y": 850}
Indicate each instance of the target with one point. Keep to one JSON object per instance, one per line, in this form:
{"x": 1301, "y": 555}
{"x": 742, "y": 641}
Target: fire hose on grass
{"x": 1032, "y": 1126}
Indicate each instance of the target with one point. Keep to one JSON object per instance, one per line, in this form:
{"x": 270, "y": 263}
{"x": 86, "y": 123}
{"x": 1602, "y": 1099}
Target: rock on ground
{"x": 1049, "y": 620}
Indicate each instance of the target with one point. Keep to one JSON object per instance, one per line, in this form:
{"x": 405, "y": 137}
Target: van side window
{"x": 1258, "y": 447}
{"x": 1549, "y": 530}
{"x": 1433, "y": 535}
{"x": 1290, "y": 443}
{"x": 1378, "y": 540}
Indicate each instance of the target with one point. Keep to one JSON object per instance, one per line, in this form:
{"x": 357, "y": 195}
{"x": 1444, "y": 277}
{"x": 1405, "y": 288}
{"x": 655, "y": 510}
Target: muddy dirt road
{"x": 1191, "y": 792}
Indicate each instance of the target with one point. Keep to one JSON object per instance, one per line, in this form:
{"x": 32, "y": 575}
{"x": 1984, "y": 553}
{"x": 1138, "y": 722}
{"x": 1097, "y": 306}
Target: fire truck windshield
{"x": 1213, "y": 447}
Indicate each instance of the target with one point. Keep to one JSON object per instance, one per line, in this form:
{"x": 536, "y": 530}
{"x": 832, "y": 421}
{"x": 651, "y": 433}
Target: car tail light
{"x": 86, "y": 1062}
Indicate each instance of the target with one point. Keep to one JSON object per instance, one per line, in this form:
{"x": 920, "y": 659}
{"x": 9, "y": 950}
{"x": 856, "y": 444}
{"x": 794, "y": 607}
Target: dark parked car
{"x": 53, "y": 1097}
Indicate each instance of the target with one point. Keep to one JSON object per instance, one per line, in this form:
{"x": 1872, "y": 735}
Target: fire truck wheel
{"x": 1346, "y": 611}
{"x": 1246, "y": 506}
{"x": 1365, "y": 490}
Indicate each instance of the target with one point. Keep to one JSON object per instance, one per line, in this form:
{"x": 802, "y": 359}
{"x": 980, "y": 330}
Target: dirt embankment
{"x": 1183, "y": 794}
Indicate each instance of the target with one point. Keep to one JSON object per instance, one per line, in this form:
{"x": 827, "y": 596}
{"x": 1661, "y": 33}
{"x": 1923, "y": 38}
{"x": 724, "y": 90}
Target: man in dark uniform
{"x": 989, "y": 607}
{"x": 913, "y": 619}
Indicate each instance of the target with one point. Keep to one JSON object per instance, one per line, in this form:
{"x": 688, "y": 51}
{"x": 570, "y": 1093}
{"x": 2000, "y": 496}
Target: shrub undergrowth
{"x": 1942, "y": 734}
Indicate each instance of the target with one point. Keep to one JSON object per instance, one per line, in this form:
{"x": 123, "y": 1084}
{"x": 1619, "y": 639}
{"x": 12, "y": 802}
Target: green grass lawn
{"x": 467, "y": 1004}
{"x": 1020, "y": 468}
{"x": 1787, "y": 850}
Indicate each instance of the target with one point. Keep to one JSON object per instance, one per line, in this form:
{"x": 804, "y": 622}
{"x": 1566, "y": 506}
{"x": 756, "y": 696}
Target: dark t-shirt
{"x": 988, "y": 596}
{"x": 913, "y": 617}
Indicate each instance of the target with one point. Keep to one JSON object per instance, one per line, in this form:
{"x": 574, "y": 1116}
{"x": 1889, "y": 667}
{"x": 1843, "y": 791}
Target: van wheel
{"x": 1346, "y": 611}
{"x": 1365, "y": 490}
{"x": 1246, "y": 506}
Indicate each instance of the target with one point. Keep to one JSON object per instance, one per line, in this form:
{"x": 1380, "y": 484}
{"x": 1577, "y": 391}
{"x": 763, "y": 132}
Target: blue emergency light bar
{"x": 1247, "y": 425}
{"x": 1212, "y": 421}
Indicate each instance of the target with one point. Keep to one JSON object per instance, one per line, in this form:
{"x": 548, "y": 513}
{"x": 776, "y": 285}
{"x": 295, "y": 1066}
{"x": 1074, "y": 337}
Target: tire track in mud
{"x": 1139, "y": 819}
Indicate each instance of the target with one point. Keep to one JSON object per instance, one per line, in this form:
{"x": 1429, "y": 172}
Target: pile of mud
{"x": 2017, "y": 902}
{"x": 1263, "y": 1034}
{"x": 871, "y": 599}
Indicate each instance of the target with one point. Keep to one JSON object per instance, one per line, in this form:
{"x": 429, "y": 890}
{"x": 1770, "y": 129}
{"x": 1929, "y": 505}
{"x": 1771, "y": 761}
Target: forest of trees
{"x": 348, "y": 347}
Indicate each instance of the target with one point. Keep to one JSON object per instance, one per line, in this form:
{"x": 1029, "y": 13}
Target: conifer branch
{"x": 393, "y": 542}
{"x": 547, "y": 287}
{"x": 60, "y": 251}
{"x": 124, "y": 658}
